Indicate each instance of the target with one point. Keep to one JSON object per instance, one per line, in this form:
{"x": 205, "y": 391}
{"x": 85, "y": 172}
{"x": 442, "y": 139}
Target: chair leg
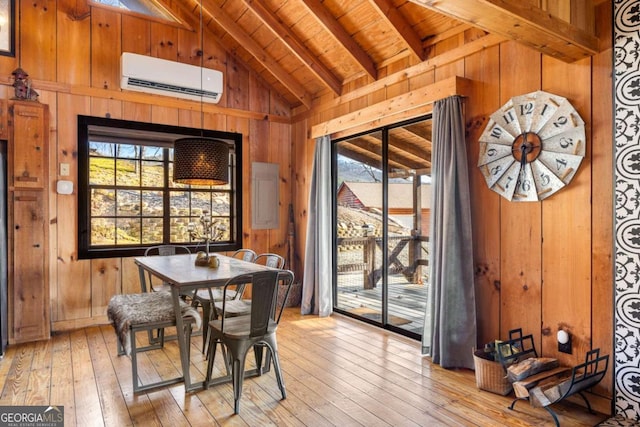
{"x": 238, "y": 378}
{"x": 213, "y": 344}
{"x": 272, "y": 346}
{"x": 206, "y": 315}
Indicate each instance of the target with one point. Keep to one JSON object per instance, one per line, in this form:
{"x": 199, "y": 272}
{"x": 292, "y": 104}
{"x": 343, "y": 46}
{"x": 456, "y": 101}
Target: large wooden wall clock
{"x": 532, "y": 146}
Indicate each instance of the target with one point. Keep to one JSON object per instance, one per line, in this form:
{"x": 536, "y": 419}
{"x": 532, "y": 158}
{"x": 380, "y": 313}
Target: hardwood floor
{"x": 337, "y": 371}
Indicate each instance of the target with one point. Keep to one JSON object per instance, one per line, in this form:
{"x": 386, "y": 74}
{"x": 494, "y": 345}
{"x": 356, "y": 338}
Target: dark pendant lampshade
{"x": 200, "y": 161}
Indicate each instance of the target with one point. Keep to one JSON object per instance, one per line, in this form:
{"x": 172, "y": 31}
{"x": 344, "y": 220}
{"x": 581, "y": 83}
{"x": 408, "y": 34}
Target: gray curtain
{"x": 450, "y": 321}
{"x": 316, "y": 286}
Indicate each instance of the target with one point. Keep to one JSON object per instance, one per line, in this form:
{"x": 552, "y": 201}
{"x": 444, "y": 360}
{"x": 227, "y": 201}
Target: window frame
{"x": 121, "y": 128}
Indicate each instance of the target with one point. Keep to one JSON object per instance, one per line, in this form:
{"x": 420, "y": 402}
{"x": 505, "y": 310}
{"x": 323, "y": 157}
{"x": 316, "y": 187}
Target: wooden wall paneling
{"x": 454, "y": 68}
{"x": 106, "y": 32}
{"x": 37, "y": 54}
{"x": 164, "y": 115}
{"x": 399, "y": 87}
{"x": 190, "y": 47}
{"x": 73, "y": 43}
{"x": 520, "y": 227}
{"x": 136, "y": 111}
{"x": 105, "y": 273}
{"x": 363, "y": 101}
{"x": 602, "y": 198}
{"x": 73, "y": 296}
{"x": 130, "y": 278}
{"x": 302, "y": 160}
{"x": 245, "y": 127}
{"x": 280, "y": 143}
{"x": 106, "y": 281}
{"x": 237, "y": 86}
{"x": 484, "y": 69}
{"x": 258, "y": 148}
{"x": 566, "y": 262}
{"x": 136, "y": 36}
{"x": 164, "y": 41}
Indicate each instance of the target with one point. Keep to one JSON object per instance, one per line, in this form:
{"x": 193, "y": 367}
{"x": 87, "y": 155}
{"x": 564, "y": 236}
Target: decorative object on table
{"x": 22, "y": 86}
{"x": 208, "y": 231}
{"x": 532, "y": 147}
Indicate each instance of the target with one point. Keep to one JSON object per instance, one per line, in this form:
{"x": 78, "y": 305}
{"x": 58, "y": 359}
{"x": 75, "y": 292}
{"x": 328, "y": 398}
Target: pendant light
{"x": 200, "y": 160}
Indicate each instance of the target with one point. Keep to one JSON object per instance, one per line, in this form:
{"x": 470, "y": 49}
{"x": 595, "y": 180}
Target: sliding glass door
{"x": 382, "y": 199}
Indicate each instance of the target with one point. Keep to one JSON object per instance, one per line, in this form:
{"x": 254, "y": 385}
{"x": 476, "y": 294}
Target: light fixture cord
{"x": 201, "y": 71}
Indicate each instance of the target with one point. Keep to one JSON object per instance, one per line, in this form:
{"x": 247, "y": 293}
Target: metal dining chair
{"x": 164, "y": 250}
{"x": 202, "y": 296}
{"x": 255, "y": 330}
{"x": 237, "y": 305}
{"x": 153, "y": 284}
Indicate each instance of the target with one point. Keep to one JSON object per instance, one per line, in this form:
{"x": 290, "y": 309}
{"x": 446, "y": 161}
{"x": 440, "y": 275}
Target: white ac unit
{"x": 159, "y": 76}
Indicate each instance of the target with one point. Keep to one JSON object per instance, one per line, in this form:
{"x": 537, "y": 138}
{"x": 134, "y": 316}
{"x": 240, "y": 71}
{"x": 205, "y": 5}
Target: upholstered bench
{"x": 131, "y": 313}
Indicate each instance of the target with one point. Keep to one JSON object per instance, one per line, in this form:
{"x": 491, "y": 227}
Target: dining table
{"x": 183, "y": 276}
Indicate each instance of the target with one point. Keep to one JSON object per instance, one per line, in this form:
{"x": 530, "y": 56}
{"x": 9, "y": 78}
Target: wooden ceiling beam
{"x": 337, "y": 31}
{"x": 388, "y": 11}
{"x": 294, "y": 44}
{"x": 247, "y": 43}
{"x": 523, "y": 23}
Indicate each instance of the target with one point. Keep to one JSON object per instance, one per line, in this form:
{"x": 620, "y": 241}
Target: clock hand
{"x": 523, "y": 151}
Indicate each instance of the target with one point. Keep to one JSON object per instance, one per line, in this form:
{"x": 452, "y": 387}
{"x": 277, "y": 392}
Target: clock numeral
{"x": 544, "y": 109}
{"x": 545, "y": 179}
{"x": 566, "y": 142}
{"x": 525, "y": 185}
{"x": 509, "y": 117}
{"x": 496, "y": 132}
{"x": 509, "y": 180}
{"x": 496, "y": 170}
{"x": 561, "y": 164}
{"x": 492, "y": 152}
{"x": 526, "y": 109}
{"x": 561, "y": 121}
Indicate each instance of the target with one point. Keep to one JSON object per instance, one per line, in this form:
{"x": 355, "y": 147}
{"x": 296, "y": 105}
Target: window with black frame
{"x": 127, "y": 199}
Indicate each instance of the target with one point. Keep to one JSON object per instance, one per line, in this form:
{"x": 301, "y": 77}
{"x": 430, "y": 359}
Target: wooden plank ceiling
{"x": 308, "y": 48}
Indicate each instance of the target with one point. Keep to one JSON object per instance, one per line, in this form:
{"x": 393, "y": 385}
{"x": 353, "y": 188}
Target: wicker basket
{"x": 490, "y": 376}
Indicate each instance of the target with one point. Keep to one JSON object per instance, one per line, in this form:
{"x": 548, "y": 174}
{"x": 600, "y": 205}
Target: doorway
{"x": 381, "y": 214}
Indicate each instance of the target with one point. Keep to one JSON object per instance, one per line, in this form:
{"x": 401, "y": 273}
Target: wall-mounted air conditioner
{"x": 159, "y": 76}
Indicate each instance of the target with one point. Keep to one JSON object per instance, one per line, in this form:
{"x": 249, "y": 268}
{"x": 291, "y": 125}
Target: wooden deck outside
{"x": 337, "y": 371}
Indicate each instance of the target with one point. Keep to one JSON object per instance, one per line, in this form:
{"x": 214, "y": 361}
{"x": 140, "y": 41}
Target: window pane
{"x": 179, "y": 202}
{"x": 221, "y": 205}
{"x": 103, "y": 202}
{"x": 200, "y": 202}
{"x": 152, "y": 203}
{"x": 101, "y": 171}
{"x": 127, "y": 173}
{"x": 152, "y": 231}
{"x": 128, "y": 231}
{"x": 180, "y": 230}
{"x": 126, "y": 151}
{"x": 103, "y": 231}
{"x": 152, "y": 153}
{"x": 152, "y": 174}
{"x": 104, "y": 149}
{"x": 128, "y": 203}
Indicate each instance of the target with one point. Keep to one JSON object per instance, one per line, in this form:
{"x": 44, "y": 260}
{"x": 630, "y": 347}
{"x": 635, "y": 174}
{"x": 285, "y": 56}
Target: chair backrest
{"x": 270, "y": 260}
{"x": 245, "y": 255}
{"x": 285, "y": 281}
{"x": 264, "y": 289}
{"x": 166, "y": 250}
{"x": 162, "y": 250}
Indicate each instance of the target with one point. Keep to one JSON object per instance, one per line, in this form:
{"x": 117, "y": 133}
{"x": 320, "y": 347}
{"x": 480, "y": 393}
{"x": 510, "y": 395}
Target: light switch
{"x": 64, "y": 169}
